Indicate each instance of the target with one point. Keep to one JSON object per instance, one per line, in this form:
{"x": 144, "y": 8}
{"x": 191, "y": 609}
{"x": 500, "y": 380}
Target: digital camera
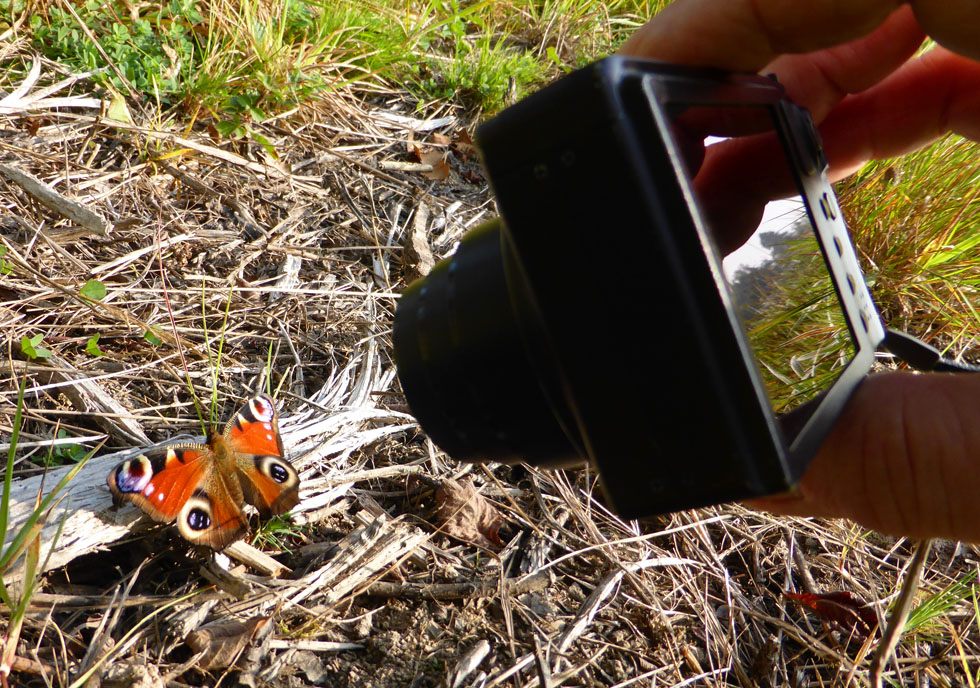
{"x": 632, "y": 306}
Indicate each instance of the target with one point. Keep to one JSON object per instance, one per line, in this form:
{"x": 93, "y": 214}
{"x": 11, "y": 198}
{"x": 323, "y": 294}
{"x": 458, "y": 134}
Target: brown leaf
{"x": 464, "y": 144}
{"x": 440, "y": 168}
{"x": 464, "y": 514}
{"x": 33, "y": 124}
{"x": 472, "y": 176}
{"x": 224, "y": 642}
{"x": 440, "y": 140}
{"x": 839, "y": 609}
{"x": 430, "y": 157}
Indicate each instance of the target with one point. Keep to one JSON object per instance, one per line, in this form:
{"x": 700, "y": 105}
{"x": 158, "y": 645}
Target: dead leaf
{"x": 440, "y": 168}
{"x": 33, "y": 124}
{"x": 464, "y": 514}
{"x": 839, "y": 609}
{"x": 174, "y": 69}
{"x": 224, "y": 642}
{"x": 464, "y": 144}
{"x": 472, "y": 176}
{"x": 118, "y": 109}
{"x": 440, "y": 140}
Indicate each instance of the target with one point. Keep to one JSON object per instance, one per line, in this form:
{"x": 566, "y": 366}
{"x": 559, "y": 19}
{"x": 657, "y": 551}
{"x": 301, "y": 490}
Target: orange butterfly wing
{"x": 160, "y": 481}
{"x": 269, "y": 482}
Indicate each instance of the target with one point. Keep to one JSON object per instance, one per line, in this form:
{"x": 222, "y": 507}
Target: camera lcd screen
{"x": 771, "y": 261}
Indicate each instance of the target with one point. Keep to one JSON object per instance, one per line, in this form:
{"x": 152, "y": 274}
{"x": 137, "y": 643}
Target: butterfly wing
{"x": 269, "y": 482}
{"x": 183, "y": 483}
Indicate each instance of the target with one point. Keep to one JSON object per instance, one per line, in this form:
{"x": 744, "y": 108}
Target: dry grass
{"x": 259, "y": 271}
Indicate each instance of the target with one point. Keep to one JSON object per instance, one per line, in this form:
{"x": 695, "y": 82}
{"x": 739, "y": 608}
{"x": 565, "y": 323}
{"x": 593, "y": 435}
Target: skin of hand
{"x": 905, "y": 457}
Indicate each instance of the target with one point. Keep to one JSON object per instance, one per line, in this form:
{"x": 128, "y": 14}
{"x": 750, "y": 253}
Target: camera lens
{"x": 473, "y": 362}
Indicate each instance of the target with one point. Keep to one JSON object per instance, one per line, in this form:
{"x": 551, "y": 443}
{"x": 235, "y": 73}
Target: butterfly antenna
{"x": 173, "y": 327}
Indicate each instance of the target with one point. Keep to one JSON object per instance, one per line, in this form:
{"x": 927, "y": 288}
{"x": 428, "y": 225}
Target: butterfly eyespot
{"x": 198, "y": 519}
{"x": 134, "y": 475}
{"x": 277, "y": 470}
{"x": 261, "y": 408}
{"x": 278, "y": 473}
{"x": 196, "y": 516}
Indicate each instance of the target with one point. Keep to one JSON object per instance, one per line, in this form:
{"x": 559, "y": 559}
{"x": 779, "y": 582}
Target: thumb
{"x": 903, "y": 459}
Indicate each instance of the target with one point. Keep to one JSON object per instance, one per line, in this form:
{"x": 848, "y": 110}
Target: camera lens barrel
{"x": 467, "y": 350}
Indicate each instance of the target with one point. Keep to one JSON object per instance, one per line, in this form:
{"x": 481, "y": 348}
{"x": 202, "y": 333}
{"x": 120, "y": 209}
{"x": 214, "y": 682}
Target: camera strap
{"x": 922, "y": 356}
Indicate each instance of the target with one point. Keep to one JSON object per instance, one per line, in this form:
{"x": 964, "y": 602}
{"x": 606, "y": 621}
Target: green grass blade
{"x": 8, "y": 476}
{"x": 19, "y": 542}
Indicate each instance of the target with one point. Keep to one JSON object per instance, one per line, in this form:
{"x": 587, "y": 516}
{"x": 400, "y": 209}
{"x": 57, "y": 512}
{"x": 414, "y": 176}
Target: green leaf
{"x": 92, "y": 346}
{"x": 151, "y": 337}
{"x": 4, "y": 268}
{"x": 228, "y": 128}
{"x": 265, "y": 143}
{"x": 93, "y": 289}
{"x": 118, "y": 110}
{"x": 31, "y": 346}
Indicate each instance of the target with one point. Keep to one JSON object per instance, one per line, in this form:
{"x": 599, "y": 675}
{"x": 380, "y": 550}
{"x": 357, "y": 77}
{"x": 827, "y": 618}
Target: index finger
{"x": 745, "y": 35}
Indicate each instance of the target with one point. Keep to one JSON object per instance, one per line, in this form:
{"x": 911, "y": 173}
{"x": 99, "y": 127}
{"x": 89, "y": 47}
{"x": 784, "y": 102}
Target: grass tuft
{"x": 248, "y": 60}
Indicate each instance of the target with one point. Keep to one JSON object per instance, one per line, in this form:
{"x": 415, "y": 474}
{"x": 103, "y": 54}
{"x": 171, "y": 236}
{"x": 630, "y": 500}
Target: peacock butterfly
{"x": 205, "y": 486}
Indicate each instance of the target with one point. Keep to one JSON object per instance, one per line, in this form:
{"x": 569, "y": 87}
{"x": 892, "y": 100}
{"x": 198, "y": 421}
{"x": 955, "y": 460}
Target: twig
{"x": 900, "y": 613}
{"x": 457, "y": 591}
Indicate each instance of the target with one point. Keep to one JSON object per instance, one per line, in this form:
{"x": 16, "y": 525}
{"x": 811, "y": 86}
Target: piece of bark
{"x": 64, "y": 206}
{"x": 459, "y": 591}
{"x": 361, "y": 556}
{"x": 256, "y": 559}
{"x": 417, "y": 258}
{"x": 88, "y": 396}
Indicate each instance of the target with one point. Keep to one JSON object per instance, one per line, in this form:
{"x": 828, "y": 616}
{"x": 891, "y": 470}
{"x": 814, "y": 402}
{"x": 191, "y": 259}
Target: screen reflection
{"x": 772, "y": 262}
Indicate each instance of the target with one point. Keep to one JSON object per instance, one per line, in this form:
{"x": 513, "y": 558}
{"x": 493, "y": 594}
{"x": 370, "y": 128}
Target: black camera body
{"x": 595, "y": 321}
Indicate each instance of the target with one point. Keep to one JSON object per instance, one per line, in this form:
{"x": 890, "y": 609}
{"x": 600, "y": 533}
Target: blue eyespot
{"x": 134, "y": 475}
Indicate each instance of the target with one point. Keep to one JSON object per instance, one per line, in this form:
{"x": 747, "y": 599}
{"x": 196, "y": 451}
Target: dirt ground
{"x": 273, "y": 261}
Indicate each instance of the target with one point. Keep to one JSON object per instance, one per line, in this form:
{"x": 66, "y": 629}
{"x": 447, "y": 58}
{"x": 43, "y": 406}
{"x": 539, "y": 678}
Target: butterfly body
{"x": 204, "y": 486}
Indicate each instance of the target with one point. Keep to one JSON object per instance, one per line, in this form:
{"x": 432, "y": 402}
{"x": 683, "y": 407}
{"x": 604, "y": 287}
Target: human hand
{"x": 904, "y": 457}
